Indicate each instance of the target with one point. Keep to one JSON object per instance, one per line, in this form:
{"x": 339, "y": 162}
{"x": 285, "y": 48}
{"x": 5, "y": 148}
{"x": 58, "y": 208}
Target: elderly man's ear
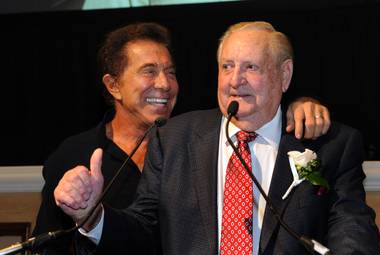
{"x": 306, "y": 116}
{"x": 286, "y": 74}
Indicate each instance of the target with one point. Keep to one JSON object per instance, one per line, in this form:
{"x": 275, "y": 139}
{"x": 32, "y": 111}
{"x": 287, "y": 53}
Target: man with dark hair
{"x": 139, "y": 76}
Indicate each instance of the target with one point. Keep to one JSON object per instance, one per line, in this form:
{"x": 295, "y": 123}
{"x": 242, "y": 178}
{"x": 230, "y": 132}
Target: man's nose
{"x": 162, "y": 82}
{"x": 238, "y": 78}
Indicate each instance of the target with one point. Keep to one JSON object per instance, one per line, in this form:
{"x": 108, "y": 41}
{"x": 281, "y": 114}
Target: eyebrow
{"x": 146, "y": 65}
{"x": 244, "y": 62}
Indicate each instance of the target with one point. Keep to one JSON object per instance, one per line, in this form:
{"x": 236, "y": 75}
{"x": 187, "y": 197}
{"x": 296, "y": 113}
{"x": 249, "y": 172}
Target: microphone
{"x": 309, "y": 244}
{"x": 34, "y": 243}
{"x": 159, "y": 122}
{"x": 40, "y": 241}
{"x": 232, "y": 109}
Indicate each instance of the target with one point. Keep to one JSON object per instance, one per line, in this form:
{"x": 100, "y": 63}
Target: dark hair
{"x": 110, "y": 56}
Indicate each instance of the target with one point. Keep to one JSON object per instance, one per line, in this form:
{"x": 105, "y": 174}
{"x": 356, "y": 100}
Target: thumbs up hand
{"x": 80, "y": 188}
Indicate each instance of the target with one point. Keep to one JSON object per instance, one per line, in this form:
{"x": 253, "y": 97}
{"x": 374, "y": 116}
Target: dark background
{"x": 50, "y": 86}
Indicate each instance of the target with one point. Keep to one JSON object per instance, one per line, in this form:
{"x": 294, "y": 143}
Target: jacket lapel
{"x": 281, "y": 180}
{"x": 203, "y": 151}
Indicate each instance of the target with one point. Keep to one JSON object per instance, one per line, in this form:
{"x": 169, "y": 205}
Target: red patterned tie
{"x": 238, "y": 202}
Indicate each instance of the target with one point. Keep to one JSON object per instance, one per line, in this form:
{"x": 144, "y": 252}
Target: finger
{"x": 62, "y": 197}
{"x": 96, "y": 164}
{"x": 78, "y": 181}
{"x": 67, "y": 209}
{"x": 318, "y": 122}
{"x": 299, "y": 117}
{"x": 73, "y": 184}
{"x": 84, "y": 176}
{"x": 83, "y": 184}
{"x": 326, "y": 120}
{"x": 295, "y": 117}
{"x": 318, "y": 127}
{"x": 289, "y": 120}
{"x": 70, "y": 196}
{"x": 78, "y": 195}
{"x": 75, "y": 214}
{"x": 309, "y": 120}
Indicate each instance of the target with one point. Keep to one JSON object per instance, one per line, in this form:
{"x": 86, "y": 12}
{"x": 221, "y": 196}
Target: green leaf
{"x": 316, "y": 179}
{"x": 311, "y": 173}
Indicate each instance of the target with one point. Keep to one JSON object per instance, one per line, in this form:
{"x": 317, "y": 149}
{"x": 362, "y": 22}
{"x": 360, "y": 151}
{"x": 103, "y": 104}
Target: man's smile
{"x": 156, "y": 100}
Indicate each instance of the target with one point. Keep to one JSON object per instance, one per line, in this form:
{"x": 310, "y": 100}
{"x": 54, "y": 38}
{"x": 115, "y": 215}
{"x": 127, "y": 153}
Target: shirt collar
{"x": 270, "y": 132}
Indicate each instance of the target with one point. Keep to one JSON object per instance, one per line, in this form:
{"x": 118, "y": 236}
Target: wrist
{"x": 92, "y": 221}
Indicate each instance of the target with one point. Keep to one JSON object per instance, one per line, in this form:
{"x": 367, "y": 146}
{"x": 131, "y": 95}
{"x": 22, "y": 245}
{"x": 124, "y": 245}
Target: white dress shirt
{"x": 263, "y": 154}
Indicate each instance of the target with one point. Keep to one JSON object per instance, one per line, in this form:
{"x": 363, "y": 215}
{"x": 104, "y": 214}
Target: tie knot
{"x": 246, "y": 137}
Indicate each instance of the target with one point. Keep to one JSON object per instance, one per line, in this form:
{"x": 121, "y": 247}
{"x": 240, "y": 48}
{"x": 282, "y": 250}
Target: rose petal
{"x": 303, "y": 158}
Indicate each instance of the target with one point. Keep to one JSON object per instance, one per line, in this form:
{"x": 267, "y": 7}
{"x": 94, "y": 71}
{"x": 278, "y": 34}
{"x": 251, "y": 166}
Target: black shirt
{"x": 77, "y": 150}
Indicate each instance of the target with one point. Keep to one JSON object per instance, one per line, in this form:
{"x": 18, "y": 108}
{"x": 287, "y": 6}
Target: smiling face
{"x": 249, "y": 75}
{"x": 147, "y": 87}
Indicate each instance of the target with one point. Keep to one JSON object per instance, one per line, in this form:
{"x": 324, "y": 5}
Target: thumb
{"x": 96, "y": 164}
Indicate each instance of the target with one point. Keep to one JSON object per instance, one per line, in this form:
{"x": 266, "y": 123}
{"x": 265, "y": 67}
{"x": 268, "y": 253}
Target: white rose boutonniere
{"x": 305, "y": 166}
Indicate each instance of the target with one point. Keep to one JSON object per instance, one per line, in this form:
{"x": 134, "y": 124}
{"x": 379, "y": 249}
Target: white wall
{"x": 29, "y": 178}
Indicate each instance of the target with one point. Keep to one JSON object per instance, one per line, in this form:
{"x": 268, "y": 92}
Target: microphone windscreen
{"x": 160, "y": 122}
{"x": 233, "y": 108}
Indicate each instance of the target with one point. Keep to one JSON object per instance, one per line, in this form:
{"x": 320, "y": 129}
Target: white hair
{"x": 279, "y": 45}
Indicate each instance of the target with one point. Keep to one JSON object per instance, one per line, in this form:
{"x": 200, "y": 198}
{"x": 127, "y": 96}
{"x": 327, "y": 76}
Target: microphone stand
{"x": 35, "y": 243}
{"x": 310, "y": 244}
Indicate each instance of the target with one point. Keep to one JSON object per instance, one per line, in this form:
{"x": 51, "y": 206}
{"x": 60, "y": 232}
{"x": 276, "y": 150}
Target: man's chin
{"x": 246, "y": 122}
{"x": 161, "y": 110}
{"x": 158, "y": 115}
{"x": 244, "y": 113}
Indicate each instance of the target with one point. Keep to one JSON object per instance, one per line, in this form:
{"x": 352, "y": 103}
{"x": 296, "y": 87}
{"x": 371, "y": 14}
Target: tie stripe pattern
{"x": 236, "y": 235}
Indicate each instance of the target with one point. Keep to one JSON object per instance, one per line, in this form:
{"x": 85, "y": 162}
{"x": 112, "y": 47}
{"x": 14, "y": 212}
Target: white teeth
{"x": 154, "y": 100}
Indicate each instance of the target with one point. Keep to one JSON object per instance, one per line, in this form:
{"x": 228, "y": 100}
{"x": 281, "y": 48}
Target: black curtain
{"x": 51, "y": 88}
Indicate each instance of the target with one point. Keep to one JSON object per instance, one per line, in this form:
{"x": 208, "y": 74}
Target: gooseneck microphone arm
{"x": 35, "y": 243}
{"x": 310, "y": 244}
{"x": 157, "y": 123}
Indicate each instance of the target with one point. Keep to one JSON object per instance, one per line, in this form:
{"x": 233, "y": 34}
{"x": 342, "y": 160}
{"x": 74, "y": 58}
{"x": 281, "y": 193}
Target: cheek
{"x": 222, "y": 80}
{"x": 174, "y": 88}
{"x": 143, "y": 89}
{"x": 127, "y": 92}
{"x": 223, "y": 94}
{"x": 223, "y": 86}
{"x": 269, "y": 95}
{"x": 145, "y": 85}
{"x": 261, "y": 85}
{"x": 222, "y": 100}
